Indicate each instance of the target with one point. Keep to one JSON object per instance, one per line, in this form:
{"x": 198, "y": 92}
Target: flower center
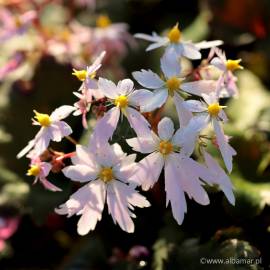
{"x": 233, "y": 64}
{"x": 106, "y": 174}
{"x": 121, "y": 102}
{"x": 17, "y": 21}
{"x": 43, "y": 119}
{"x": 173, "y": 84}
{"x": 103, "y": 21}
{"x": 80, "y": 74}
{"x": 34, "y": 170}
{"x": 174, "y": 34}
{"x": 165, "y": 147}
{"x": 65, "y": 35}
{"x": 214, "y": 109}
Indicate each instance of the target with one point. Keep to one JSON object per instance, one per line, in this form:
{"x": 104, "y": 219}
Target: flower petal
{"x": 199, "y": 87}
{"x": 125, "y": 87}
{"x": 170, "y": 64}
{"x": 108, "y": 88}
{"x": 140, "y": 97}
{"x": 143, "y": 145}
{"x": 61, "y": 112}
{"x": 80, "y": 173}
{"x": 165, "y": 129}
{"x": 148, "y": 79}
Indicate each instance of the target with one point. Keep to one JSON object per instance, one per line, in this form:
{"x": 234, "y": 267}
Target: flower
{"x": 52, "y": 128}
{"x": 171, "y": 85}
{"x": 211, "y": 111}
{"x": 40, "y": 170}
{"x": 124, "y": 98}
{"x": 227, "y": 66}
{"x": 174, "y": 41}
{"x": 172, "y": 151}
{"x": 108, "y": 172}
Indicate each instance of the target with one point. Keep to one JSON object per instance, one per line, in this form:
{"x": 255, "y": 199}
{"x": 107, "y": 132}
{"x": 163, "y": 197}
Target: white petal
{"x": 149, "y": 170}
{"x": 165, "y": 129}
{"x": 108, "y": 88}
{"x": 148, "y": 79}
{"x": 26, "y": 149}
{"x": 174, "y": 192}
{"x": 80, "y": 173}
{"x": 83, "y": 156}
{"x": 58, "y": 130}
{"x": 97, "y": 63}
{"x": 190, "y": 51}
{"x": 152, "y": 38}
{"x": 208, "y": 44}
{"x": 157, "y": 45}
{"x": 106, "y": 126}
{"x": 138, "y": 122}
{"x": 140, "y": 97}
{"x": 218, "y": 63}
{"x": 158, "y": 99}
{"x": 195, "y": 106}
{"x": 184, "y": 115}
{"x": 199, "y": 87}
{"x": 225, "y": 149}
{"x": 61, "y": 112}
{"x": 143, "y": 145}
{"x": 125, "y": 87}
{"x": 170, "y": 64}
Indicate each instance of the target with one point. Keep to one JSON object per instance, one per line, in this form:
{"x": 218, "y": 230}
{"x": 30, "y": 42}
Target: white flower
{"x": 52, "y": 128}
{"x": 171, "y": 151}
{"x": 172, "y": 84}
{"x": 174, "y": 41}
{"x": 212, "y": 111}
{"x": 227, "y": 66}
{"x": 124, "y": 98}
{"x": 108, "y": 172}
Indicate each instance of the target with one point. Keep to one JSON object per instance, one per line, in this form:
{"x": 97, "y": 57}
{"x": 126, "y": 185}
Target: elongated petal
{"x": 138, "y": 122}
{"x": 159, "y": 98}
{"x": 118, "y": 206}
{"x": 106, "y": 126}
{"x": 97, "y": 63}
{"x": 80, "y": 173}
{"x": 157, "y": 45}
{"x": 174, "y": 192}
{"x": 191, "y": 51}
{"x": 83, "y": 156}
{"x": 165, "y": 129}
{"x": 184, "y": 115}
{"x": 108, "y": 88}
{"x": 170, "y": 64}
{"x": 143, "y": 145}
{"x": 148, "y": 79}
{"x": 218, "y": 63}
{"x": 48, "y": 185}
{"x": 226, "y": 150}
{"x": 58, "y": 130}
{"x": 208, "y": 44}
{"x": 26, "y": 149}
{"x": 152, "y": 38}
{"x": 140, "y": 97}
{"x": 61, "y": 112}
{"x": 195, "y": 106}
{"x": 199, "y": 87}
{"x": 125, "y": 87}
{"x": 149, "y": 170}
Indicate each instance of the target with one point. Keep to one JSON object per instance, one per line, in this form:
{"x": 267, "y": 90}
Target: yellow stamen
{"x": 214, "y": 109}
{"x": 233, "y": 64}
{"x": 174, "y": 34}
{"x": 43, "y": 119}
{"x": 121, "y": 102}
{"x": 80, "y": 74}
{"x": 18, "y": 21}
{"x": 106, "y": 174}
{"x": 65, "y": 35}
{"x": 165, "y": 147}
{"x": 103, "y": 21}
{"x": 34, "y": 170}
{"x": 173, "y": 84}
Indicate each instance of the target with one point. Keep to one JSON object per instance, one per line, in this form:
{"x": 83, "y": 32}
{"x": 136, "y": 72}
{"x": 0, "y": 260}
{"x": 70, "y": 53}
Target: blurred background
{"x": 38, "y": 50}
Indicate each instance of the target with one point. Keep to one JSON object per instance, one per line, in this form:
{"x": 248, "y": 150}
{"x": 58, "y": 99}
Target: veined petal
{"x": 148, "y": 79}
{"x": 140, "y": 97}
{"x": 106, "y": 126}
{"x": 143, "y": 145}
{"x": 159, "y": 98}
{"x": 170, "y": 64}
{"x": 138, "y": 122}
{"x": 149, "y": 170}
{"x": 199, "y": 87}
{"x": 108, "y": 88}
{"x": 174, "y": 192}
{"x": 165, "y": 129}
{"x": 125, "y": 87}
{"x": 184, "y": 115}
{"x": 226, "y": 150}
{"x": 80, "y": 173}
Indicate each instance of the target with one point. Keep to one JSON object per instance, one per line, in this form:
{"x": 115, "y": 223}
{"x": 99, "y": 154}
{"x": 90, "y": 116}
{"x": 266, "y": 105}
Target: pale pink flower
{"x": 172, "y": 151}
{"x": 210, "y": 111}
{"x": 125, "y": 99}
{"x": 174, "y": 41}
{"x": 227, "y": 66}
{"x": 40, "y": 170}
{"x": 108, "y": 172}
{"x": 171, "y": 85}
{"x": 52, "y": 128}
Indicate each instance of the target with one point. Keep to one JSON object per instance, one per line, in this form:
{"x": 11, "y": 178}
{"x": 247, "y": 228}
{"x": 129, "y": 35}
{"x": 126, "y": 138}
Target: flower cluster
{"x": 28, "y": 34}
{"x": 111, "y": 176}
